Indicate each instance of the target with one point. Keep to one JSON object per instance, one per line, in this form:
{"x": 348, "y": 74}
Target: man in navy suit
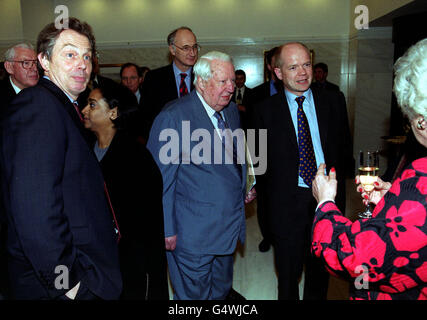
{"x": 204, "y": 194}
{"x": 62, "y": 239}
{"x": 286, "y": 187}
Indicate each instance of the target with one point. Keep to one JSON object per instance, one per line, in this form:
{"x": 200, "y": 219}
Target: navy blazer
{"x": 203, "y": 203}
{"x": 281, "y": 178}
{"x": 56, "y": 207}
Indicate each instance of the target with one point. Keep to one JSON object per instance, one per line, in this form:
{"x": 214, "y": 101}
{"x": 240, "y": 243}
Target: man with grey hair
{"x": 21, "y": 65}
{"x": 203, "y": 202}
{"x": 172, "y": 81}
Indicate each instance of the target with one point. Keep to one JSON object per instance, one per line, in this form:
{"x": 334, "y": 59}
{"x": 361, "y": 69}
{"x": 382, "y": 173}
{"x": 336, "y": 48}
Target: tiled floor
{"x": 254, "y": 272}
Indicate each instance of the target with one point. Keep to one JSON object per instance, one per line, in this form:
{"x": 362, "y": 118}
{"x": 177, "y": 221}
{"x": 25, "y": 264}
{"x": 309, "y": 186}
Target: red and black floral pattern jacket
{"x": 384, "y": 257}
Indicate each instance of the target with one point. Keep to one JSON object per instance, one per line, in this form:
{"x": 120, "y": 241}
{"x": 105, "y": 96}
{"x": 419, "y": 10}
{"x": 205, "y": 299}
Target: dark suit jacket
{"x": 203, "y": 203}
{"x": 53, "y": 191}
{"x": 7, "y": 93}
{"x": 326, "y": 86}
{"x": 281, "y": 178}
{"x": 247, "y": 102}
{"x": 158, "y": 88}
{"x": 135, "y": 187}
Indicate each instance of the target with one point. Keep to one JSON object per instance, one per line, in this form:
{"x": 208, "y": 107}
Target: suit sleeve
{"x": 148, "y": 94}
{"x": 34, "y": 148}
{"x": 167, "y": 156}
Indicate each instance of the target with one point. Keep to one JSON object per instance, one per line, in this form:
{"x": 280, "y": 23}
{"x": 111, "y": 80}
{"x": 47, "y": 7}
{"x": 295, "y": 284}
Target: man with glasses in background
{"x": 21, "y": 65}
{"x": 172, "y": 81}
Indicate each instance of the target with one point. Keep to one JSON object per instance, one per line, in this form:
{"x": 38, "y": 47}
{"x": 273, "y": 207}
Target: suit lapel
{"x": 68, "y": 106}
{"x": 202, "y": 120}
{"x": 171, "y": 84}
{"x": 322, "y": 114}
{"x": 284, "y": 116}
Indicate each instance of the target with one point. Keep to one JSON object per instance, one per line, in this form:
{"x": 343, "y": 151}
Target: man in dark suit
{"x": 21, "y": 65}
{"x": 203, "y": 199}
{"x": 242, "y": 97}
{"x": 259, "y": 93}
{"x": 320, "y": 74}
{"x": 131, "y": 78}
{"x": 174, "y": 80}
{"x": 304, "y": 128}
{"x": 62, "y": 239}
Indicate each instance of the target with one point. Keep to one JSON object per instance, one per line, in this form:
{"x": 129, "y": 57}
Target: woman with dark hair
{"x": 135, "y": 187}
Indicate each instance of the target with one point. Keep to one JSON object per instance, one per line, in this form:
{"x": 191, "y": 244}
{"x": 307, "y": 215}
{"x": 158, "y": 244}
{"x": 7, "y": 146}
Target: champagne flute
{"x": 368, "y": 173}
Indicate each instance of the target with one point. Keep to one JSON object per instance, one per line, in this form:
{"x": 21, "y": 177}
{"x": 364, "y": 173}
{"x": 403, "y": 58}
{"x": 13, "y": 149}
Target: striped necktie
{"x": 223, "y": 125}
{"x": 183, "y": 90}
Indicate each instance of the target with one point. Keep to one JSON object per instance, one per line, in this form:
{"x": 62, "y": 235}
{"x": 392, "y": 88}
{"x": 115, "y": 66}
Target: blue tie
{"x": 223, "y": 125}
{"x": 307, "y": 159}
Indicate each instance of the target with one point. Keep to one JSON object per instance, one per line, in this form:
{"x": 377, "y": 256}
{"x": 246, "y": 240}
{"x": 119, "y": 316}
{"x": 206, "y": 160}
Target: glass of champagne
{"x": 368, "y": 173}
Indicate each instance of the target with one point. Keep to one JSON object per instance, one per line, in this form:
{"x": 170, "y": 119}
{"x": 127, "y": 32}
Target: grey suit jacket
{"x": 203, "y": 203}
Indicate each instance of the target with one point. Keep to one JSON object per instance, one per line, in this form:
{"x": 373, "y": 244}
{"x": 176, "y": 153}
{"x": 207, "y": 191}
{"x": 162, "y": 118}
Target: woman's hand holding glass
{"x": 380, "y": 189}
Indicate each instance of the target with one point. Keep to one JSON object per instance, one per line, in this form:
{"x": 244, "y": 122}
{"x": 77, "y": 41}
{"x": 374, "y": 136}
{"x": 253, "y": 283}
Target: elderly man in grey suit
{"x": 204, "y": 194}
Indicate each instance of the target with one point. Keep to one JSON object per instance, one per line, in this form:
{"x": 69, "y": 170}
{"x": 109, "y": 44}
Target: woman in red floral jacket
{"x": 384, "y": 257}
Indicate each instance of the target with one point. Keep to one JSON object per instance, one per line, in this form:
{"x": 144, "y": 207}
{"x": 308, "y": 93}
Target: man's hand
{"x": 241, "y": 107}
{"x": 250, "y": 196}
{"x": 324, "y": 187}
{"x": 170, "y": 243}
{"x": 71, "y": 294}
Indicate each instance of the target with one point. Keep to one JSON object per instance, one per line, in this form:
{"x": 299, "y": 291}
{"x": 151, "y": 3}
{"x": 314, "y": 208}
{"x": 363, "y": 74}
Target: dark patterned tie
{"x": 183, "y": 90}
{"x": 239, "y": 97}
{"x": 223, "y": 125}
{"x": 307, "y": 159}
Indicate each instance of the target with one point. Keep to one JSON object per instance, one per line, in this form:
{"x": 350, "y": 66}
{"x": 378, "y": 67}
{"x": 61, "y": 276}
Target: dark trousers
{"x": 262, "y": 215}
{"x": 4, "y": 274}
{"x": 292, "y": 251}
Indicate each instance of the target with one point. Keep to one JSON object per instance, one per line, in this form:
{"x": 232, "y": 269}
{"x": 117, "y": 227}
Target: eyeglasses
{"x": 26, "y": 64}
{"x": 187, "y": 48}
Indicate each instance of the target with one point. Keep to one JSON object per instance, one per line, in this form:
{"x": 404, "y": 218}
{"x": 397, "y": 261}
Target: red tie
{"x": 183, "y": 90}
{"x": 76, "y": 106}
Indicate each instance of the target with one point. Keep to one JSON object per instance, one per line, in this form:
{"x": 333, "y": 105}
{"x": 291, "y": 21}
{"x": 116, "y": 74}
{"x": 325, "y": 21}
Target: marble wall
{"x": 371, "y": 93}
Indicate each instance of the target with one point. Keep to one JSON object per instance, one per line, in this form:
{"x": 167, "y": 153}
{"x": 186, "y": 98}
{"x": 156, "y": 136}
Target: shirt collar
{"x": 291, "y": 97}
{"x": 207, "y": 107}
{"x": 14, "y": 86}
{"x": 177, "y": 72}
{"x": 69, "y": 97}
